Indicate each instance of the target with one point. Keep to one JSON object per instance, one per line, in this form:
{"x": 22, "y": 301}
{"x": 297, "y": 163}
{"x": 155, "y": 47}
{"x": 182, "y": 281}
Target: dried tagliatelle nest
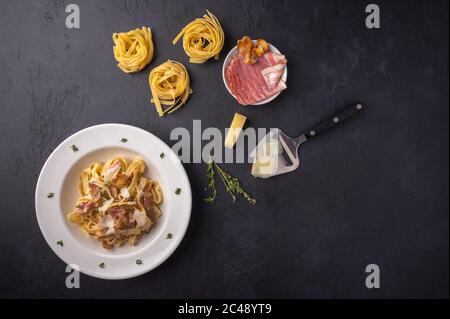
{"x": 170, "y": 86}
{"x": 249, "y": 51}
{"x": 133, "y": 50}
{"x": 202, "y": 38}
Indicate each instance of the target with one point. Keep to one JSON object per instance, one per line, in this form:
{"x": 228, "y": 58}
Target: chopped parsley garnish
{"x": 139, "y": 262}
{"x": 60, "y": 242}
{"x": 178, "y": 191}
{"x": 74, "y": 148}
{"x": 50, "y": 195}
{"x": 169, "y": 236}
{"x": 124, "y": 140}
{"x": 161, "y": 155}
{"x": 101, "y": 265}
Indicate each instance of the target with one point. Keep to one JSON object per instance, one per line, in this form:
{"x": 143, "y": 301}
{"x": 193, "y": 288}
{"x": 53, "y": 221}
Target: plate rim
{"x": 176, "y": 240}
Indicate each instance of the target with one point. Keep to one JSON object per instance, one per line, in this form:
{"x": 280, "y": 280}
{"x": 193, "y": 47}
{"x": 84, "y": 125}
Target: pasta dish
{"x": 116, "y": 204}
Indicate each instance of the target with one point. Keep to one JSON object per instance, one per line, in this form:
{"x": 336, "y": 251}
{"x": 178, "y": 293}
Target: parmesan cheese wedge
{"x": 236, "y": 128}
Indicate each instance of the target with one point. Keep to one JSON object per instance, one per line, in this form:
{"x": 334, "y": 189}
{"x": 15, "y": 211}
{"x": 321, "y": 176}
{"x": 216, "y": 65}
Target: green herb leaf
{"x": 139, "y": 262}
{"x": 50, "y": 195}
{"x": 124, "y": 140}
{"x": 101, "y": 265}
{"x": 161, "y": 155}
{"x": 74, "y": 148}
{"x": 211, "y": 182}
{"x": 178, "y": 191}
{"x": 169, "y": 236}
{"x": 232, "y": 185}
{"x": 60, "y": 242}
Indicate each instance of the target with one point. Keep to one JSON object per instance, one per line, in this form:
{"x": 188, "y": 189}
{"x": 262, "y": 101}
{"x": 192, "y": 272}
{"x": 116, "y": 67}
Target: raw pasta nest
{"x": 202, "y": 38}
{"x": 170, "y": 86}
{"x": 133, "y": 50}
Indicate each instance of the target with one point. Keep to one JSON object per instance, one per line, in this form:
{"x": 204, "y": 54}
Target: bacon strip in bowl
{"x": 257, "y": 83}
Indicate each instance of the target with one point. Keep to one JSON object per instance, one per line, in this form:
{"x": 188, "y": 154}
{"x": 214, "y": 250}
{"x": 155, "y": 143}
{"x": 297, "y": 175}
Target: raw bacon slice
{"x": 274, "y": 58}
{"x": 251, "y": 83}
{"x": 273, "y": 74}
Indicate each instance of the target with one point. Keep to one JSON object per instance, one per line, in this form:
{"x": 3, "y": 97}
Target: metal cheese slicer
{"x": 277, "y": 153}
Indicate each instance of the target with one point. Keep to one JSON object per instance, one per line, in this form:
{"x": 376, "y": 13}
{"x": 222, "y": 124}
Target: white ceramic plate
{"x": 60, "y": 174}
{"x": 233, "y": 53}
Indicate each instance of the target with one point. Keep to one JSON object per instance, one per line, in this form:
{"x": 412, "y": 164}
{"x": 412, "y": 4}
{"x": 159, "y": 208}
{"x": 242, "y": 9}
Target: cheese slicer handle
{"x": 334, "y": 120}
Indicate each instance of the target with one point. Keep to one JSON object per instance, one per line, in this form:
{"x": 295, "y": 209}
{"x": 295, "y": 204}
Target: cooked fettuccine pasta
{"x": 116, "y": 204}
{"x": 133, "y": 49}
{"x": 170, "y": 86}
{"x": 202, "y": 38}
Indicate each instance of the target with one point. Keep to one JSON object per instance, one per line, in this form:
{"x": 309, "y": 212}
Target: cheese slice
{"x": 124, "y": 192}
{"x": 266, "y": 161}
{"x": 235, "y": 129}
{"x": 139, "y": 217}
{"x": 107, "y": 222}
{"x": 265, "y": 166}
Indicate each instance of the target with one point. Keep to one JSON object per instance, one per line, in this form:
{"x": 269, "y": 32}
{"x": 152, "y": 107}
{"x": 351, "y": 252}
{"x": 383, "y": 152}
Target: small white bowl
{"x": 233, "y": 52}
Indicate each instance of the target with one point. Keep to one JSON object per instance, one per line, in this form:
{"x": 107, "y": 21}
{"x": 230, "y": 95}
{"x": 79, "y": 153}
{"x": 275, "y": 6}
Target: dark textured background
{"x": 373, "y": 191}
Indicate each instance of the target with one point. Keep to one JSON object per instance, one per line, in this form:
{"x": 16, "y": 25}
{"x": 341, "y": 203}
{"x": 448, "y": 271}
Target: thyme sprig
{"x": 231, "y": 183}
{"x": 233, "y": 186}
{"x": 211, "y": 182}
